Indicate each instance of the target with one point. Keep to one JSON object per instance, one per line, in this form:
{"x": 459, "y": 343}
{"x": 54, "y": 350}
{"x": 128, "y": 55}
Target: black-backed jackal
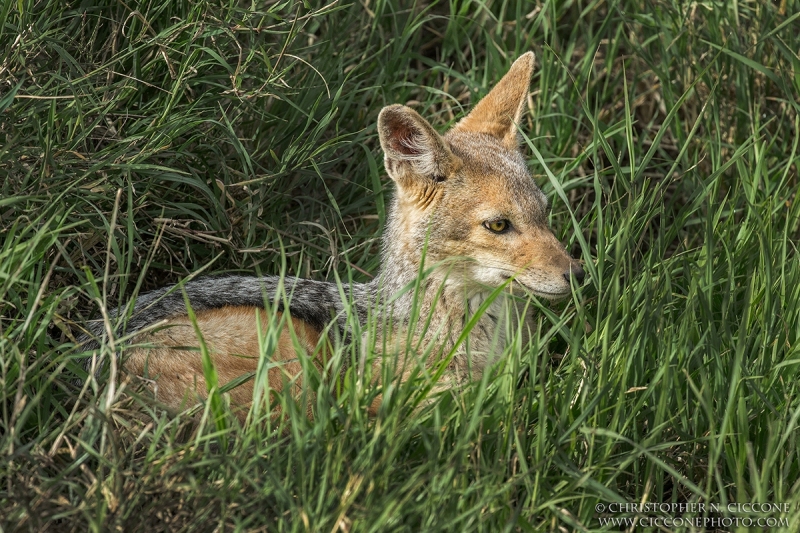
{"x": 465, "y": 203}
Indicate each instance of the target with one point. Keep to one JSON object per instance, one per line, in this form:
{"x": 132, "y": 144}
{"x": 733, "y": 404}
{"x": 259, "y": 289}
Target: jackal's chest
{"x": 474, "y": 332}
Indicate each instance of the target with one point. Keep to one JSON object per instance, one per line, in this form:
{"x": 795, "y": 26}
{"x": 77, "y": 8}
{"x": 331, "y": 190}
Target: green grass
{"x": 142, "y": 142}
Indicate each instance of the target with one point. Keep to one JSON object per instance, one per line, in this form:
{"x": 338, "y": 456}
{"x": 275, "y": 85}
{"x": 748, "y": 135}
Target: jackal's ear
{"x": 500, "y": 111}
{"x": 412, "y": 147}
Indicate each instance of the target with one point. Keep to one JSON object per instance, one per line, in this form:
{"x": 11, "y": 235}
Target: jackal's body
{"x": 465, "y": 202}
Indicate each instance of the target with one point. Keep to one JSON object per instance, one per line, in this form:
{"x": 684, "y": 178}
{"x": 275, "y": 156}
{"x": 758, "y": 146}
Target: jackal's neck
{"x": 437, "y": 305}
{"x": 402, "y": 256}
{"x": 436, "y": 312}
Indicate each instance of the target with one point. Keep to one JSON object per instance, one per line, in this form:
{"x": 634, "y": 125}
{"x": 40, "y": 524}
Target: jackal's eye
{"x": 497, "y": 226}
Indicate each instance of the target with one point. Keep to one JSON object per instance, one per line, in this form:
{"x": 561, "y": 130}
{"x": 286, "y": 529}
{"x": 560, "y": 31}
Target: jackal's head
{"x": 470, "y": 195}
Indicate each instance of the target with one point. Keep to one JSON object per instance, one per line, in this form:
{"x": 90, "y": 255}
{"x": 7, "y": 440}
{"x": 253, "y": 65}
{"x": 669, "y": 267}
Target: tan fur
{"x": 172, "y": 356}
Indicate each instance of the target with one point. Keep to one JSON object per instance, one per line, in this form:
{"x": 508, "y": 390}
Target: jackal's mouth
{"x": 538, "y": 292}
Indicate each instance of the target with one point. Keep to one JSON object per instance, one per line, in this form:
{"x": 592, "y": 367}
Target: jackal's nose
{"x": 576, "y": 272}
